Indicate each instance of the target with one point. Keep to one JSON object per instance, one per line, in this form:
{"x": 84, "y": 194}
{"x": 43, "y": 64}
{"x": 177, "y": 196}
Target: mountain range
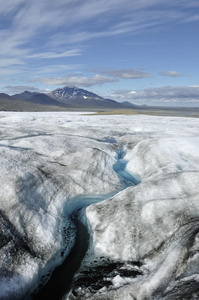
{"x": 60, "y": 99}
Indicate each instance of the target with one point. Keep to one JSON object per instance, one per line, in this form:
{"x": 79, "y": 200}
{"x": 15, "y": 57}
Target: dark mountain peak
{"x": 26, "y": 92}
{"x": 66, "y": 88}
{"x": 3, "y": 95}
{"x": 129, "y": 104}
{"x": 66, "y": 94}
{"x": 35, "y": 97}
{"x": 78, "y": 97}
{"x": 24, "y": 95}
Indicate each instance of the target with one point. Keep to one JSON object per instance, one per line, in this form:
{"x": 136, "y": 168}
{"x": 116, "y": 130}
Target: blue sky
{"x": 143, "y": 51}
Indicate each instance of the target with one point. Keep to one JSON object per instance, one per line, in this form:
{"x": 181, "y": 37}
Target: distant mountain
{"x": 82, "y": 98}
{"x": 38, "y": 98}
{"x": 71, "y": 98}
{"x": 25, "y": 95}
{"x": 129, "y": 104}
{"x": 4, "y": 96}
{"x": 29, "y": 102}
{"x": 73, "y": 93}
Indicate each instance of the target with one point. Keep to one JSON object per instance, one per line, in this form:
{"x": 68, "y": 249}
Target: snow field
{"x": 48, "y": 158}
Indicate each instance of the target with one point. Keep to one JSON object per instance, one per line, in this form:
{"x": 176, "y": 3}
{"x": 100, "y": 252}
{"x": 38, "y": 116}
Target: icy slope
{"x": 158, "y": 157}
{"x": 155, "y": 223}
{"x": 40, "y": 172}
{"x": 144, "y": 239}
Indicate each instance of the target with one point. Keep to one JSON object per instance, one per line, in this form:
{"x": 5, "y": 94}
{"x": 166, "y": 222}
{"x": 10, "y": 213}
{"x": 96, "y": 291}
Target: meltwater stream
{"x": 61, "y": 278}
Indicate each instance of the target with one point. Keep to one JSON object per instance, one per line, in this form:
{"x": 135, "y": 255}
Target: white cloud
{"x": 6, "y": 72}
{"x": 10, "y": 62}
{"x": 167, "y": 95}
{"x": 36, "y": 18}
{"x": 9, "y": 6}
{"x": 76, "y": 81}
{"x": 124, "y": 73}
{"x": 48, "y": 55}
{"x": 30, "y": 27}
{"x": 54, "y": 69}
{"x": 173, "y": 74}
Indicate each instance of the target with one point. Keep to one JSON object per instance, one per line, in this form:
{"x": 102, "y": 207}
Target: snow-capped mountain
{"x": 68, "y": 93}
{"x": 62, "y": 98}
{"x": 82, "y": 98}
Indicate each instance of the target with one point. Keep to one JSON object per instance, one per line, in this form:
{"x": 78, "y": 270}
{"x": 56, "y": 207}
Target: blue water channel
{"x": 82, "y": 201}
{"x": 61, "y": 278}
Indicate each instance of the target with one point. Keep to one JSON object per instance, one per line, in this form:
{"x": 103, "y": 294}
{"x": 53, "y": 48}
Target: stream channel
{"x": 61, "y": 278}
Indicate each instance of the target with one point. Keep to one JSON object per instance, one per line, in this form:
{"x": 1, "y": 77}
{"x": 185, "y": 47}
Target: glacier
{"x": 143, "y": 239}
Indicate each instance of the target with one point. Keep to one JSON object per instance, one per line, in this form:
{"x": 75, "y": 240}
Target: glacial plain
{"x": 132, "y": 180}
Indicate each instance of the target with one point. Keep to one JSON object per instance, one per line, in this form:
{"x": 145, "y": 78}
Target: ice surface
{"x": 47, "y": 159}
{"x": 42, "y": 168}
{"x": 155, "y": 222}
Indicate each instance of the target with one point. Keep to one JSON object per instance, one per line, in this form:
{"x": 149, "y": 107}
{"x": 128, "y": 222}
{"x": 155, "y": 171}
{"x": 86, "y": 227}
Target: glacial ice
{"x": 42, "y": 168}
{"x": 146, "y": 237}
{"x": 156, "y": 222}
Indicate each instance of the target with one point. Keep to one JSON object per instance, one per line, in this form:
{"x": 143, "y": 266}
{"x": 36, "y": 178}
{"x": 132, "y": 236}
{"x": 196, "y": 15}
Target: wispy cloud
{"x": 173, "y": 74}
{"x": 9, "y": 71}
{"x": 10, "y": 62}
{"x": 59, "y": 69}
{"x": 35, "y": 35}
{"x": 124, "y": 73}
{"x": 48, "y": 55}
{"x": 168, "y": 95}
{"x": 39, "y": 20}
{"x": 9, "y": 6}
{"x": 75, "y": 81}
